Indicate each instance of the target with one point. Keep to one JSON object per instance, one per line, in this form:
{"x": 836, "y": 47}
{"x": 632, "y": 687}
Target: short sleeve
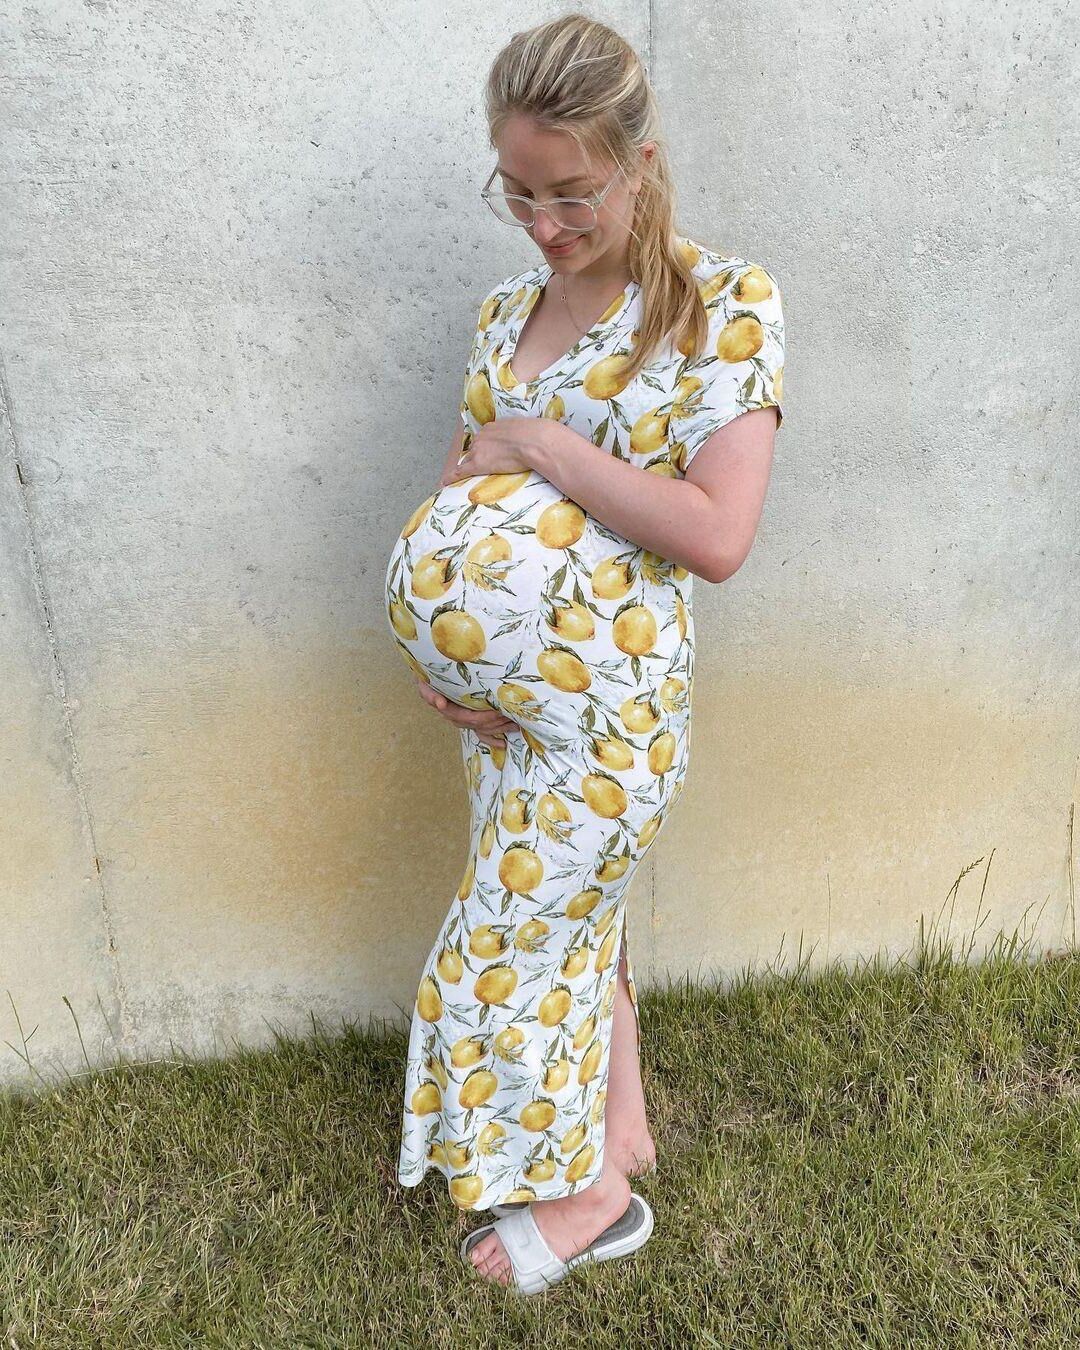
{"x": 476, "y": 396}
{"x": 742, "y": 365}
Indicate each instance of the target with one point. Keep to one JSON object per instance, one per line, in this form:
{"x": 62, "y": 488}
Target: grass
{"x": 881, "y": 1157}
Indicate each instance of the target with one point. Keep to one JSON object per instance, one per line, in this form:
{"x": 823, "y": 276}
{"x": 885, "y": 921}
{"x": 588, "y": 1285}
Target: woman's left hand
{"x": 504, "y": 445}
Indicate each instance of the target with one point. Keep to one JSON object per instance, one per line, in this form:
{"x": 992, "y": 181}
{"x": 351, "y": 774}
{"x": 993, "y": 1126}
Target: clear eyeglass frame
{"x": 592, "y": 202}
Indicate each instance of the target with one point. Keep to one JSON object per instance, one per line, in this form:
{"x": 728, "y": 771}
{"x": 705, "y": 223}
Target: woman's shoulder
{"x": 518, "y": 282}
{"x": 504, "y": 297}
{"x": 724, "y": 274}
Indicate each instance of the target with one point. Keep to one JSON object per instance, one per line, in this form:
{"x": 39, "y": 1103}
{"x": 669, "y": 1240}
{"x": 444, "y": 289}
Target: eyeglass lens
{"x": 568, "y": 213}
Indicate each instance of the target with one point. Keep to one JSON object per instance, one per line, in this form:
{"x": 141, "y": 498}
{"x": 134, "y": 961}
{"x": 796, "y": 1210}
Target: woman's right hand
{"x": 488, "y": 724}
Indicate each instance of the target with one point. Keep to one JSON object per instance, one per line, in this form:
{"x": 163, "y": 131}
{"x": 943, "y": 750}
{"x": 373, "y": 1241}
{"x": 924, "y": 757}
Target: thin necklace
{"x": 562, "y": 288}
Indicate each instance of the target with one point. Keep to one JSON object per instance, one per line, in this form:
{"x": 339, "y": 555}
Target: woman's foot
{"x": 568, "y": 1223}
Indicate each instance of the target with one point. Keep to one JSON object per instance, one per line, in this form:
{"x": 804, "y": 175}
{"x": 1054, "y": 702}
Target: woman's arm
{"x": 705, "y": 521}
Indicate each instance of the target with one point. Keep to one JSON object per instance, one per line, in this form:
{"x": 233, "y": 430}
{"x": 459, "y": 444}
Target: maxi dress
{"x": 504, "y": 593}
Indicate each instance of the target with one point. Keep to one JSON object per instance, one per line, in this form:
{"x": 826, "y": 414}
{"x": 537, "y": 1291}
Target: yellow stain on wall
{"x": 840, "y": 813}
{"x": 284, "y": 831}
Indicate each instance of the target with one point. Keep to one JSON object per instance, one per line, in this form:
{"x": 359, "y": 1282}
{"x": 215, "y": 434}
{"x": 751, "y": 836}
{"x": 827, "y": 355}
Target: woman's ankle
{"x": 633, "y": 1156}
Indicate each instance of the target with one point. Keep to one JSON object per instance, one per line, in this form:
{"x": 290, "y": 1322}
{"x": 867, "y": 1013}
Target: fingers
{"x": 485, "y": 721}
{"x": 489, "y": 725}
{"x": 430, "y": 695}
{"x": 479, "y": 719}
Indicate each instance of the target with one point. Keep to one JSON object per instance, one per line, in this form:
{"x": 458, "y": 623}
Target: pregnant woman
{"x": 616, "y": 436}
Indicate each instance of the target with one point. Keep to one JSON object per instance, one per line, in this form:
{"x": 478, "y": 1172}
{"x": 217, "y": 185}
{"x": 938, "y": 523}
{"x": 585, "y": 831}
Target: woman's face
{"x": 542, "y": 164}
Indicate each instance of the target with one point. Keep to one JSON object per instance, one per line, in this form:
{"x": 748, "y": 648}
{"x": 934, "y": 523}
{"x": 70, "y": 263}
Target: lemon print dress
{"x": 503, "y": 593}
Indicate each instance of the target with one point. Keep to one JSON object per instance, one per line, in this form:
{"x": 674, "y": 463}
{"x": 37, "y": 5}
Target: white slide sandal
{"x": 500, "y": 1211}
{"x": 535, "y": 1266}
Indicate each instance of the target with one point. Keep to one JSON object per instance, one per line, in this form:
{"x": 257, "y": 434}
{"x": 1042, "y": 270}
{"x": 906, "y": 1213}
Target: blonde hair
{"x": 579, "y": 76}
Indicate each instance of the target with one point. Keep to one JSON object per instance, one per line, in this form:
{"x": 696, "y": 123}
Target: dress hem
{"x": 414, "y": 1178}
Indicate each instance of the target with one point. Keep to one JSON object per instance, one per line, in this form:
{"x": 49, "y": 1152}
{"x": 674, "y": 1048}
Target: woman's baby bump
{"x": 503, "y": 573}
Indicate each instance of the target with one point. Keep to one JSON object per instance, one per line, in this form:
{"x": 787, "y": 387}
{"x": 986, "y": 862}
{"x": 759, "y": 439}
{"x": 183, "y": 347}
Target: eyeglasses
{"x": 569, "y": 213}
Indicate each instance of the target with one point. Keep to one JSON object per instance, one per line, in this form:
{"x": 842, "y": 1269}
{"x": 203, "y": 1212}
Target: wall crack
{"x": 119, "y": 991}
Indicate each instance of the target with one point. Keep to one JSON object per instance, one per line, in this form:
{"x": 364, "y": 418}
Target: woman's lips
{"x": 561, "y": 248}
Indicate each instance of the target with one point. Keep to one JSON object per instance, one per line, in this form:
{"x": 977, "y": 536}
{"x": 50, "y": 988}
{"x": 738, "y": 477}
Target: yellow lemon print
{"x": 612, "y": 578}
{"x": 520, "y": 869}
{"x": 554, "y": 1006}
{"x": 458, "y": 635}
{"x": 560, "y": 525}
{"x": 428, "y": 1000}
{"x": 569, "y": 619}
{"x": 496, "y": 984}
{"x": 538, "y": 1115}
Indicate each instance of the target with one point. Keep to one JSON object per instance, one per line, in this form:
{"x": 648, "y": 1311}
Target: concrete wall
{"x": 242, "y": 250}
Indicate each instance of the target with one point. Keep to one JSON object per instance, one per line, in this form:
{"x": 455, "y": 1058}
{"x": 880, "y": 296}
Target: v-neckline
{"x": 521, "y": 318}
